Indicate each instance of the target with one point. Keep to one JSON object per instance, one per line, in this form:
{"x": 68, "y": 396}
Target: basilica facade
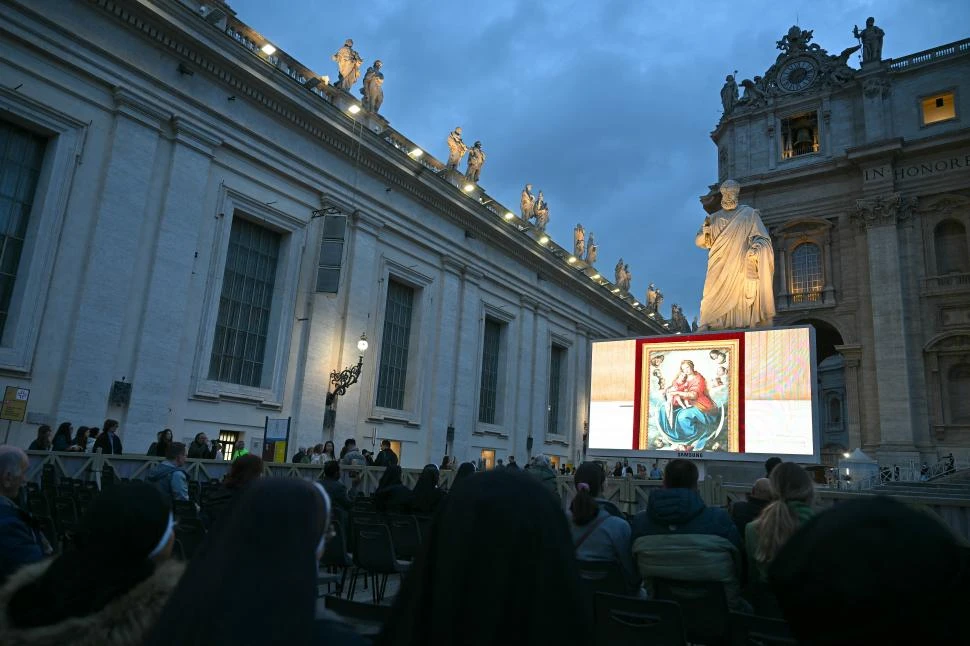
{"x": 861, "y": 170}
{"x": 200, "y": 232}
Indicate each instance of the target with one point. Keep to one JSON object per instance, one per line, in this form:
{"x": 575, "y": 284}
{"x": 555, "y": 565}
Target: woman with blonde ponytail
{"x": 791, "y": 507}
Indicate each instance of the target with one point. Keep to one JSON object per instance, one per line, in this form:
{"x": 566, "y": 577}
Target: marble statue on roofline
{"x": 579, "y": 241}
{"x": 348, "y": 65}
{"x": 592, "y": 250}
{"x": 527, "y": 202}
{"x": 729, "y": 94}
{"x": 654, "y": 298}
{"x": 871, "y": 38}
{"x": 738, "y": 289}
{"x": 476, "y": 159}
{"x": 456, "y": 149}
{"x": 541, "y": 212}
{"x": 373, "y": 90}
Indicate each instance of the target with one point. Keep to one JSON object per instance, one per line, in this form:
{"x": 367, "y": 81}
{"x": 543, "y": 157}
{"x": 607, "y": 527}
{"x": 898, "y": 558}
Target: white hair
{"x": 542, "y": 460}
{"x": 12, "y": 459}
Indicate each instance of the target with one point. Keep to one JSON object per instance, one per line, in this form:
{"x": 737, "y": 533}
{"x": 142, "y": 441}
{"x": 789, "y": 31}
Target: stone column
{"x": 540, "y": 379}
{"x": 526, "y": 358}
{"x": 582, "y": 384}
{"x": 828, "y": 291}
{"x": 854, "y": 411}
{"x": 446, "y": 366}
{"x": 876, "y": 90}
{"x": 163, "y": 319}
{"x": 93, "y": 357}
{"x": 468, "y": 361}
{"x": 782, "y": 266}
{"x": 880, "y": 215}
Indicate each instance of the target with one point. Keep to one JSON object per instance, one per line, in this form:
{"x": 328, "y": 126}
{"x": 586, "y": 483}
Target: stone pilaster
{"x": 854, "y": 410}
{"x": 880, "y": 216}
{"x": 469, "y": 361}
{"x": 445, "y": 364}
{"x": 526, "y": 367}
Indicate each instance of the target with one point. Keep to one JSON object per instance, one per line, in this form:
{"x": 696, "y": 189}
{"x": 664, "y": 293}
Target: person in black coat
{"x": 391, "y": 494}
{"x": 427, "y": 495}
{"x": 745, "y": 511}
{"x": 220, "y": 500}
{"x": 224, "y": 598}
{"x": 385, "y": 457}
{"x": 337, "y": 491}
{"x": 108, "y": 440}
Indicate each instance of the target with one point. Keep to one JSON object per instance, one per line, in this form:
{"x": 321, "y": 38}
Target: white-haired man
{"x": 542, "y": 469}
{"x": 21, "y": 542}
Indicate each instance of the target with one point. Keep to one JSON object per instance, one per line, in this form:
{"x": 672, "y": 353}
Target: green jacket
{"x": 804, "y": 513}
{"x": 547, "y": 477}
{"x": 691, "y": 557}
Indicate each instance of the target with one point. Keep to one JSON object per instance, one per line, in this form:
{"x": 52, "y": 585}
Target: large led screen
{"x": 725, "y": 392}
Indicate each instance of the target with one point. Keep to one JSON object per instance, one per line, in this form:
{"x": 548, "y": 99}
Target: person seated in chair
{"x": 392, "y": 495}
{"x": 679, "y": 537}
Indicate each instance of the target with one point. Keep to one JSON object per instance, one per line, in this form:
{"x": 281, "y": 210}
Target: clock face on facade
{"x": 797, "y": 75}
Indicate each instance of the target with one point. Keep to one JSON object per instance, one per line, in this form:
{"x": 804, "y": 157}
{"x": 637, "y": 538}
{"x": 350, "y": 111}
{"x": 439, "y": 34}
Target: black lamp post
{"x": 344, "y": 379}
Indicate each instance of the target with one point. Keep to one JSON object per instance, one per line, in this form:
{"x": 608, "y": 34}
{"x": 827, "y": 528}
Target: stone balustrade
{"x": 930, "y": 55}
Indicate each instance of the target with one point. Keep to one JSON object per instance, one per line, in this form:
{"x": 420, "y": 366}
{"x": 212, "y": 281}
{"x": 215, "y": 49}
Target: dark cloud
{"x": 606, "y": 106}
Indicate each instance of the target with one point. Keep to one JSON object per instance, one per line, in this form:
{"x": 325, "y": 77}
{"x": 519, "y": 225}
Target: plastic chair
{"x": 375, "y": 555}
{"x": 46, "y": 525}
{"x": 189, "y": 533}
{"x": 184, "y": 509}
{"x": 368, "y": 616}
{"x": 406, "y": 536}
{"x": 335, "y": 555}
{"x": 65, "y": 515}
{"x": 703, "y": 601}
{"x": 622, "y": 620}
{"x": 752, "y": 630}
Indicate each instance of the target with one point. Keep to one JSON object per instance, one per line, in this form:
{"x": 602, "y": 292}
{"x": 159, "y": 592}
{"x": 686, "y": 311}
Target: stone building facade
{"x": 863, "y": 177}
{"x": 199, "y": 229}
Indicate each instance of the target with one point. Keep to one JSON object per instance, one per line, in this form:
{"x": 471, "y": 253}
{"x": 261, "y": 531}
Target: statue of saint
{"x": 738, "y": 291}
{"x": 753, "y": 94}
{"x": 871, "y": 38}
{"x": 476, "y": 158}
{"x": 652, "y": 292}
{"x": 348, "y": 65}
{"x": 541, "y": 212}
{"x": 373, "y": 90}
{"x": 729, "y": 94}
{"x": 693, "y": 325}
{"x": 527, "y": 202}
{"x": 456, "y": 149}
{"x": 579, "y": 241}
{"x": 592, "y": 250}
{"x": 618, "y": 272}
{"x": 627, "y": 278}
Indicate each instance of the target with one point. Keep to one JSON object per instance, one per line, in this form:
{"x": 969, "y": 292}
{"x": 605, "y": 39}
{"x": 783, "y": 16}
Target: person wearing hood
{"x": 679, "y": 537}
{"x": 542, "y": 469}
{"x": 227, "y": 598}
{"x": 169, "y": 476}
{"x": 392, "y": 495}
{"x": 107, "y": 591}
{"x": 466, "y": 470}
{"x": 427, "y": 494}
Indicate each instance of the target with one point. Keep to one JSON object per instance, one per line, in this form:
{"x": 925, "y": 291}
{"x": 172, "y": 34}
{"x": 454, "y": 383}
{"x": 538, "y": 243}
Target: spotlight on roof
{"x": 469, "y": 187}
{"x": 268, "y": 49}
{"x": 353, "y": 109}
{"x": 544, "y": 239}
{"x": 616, "y": 290}
{"x": 417, "y": 152}
{"x": 571, "y": 259}
{"x": 652, "y": 315}
{"x": 845, "y": 455}
{"x": 595, "y": 277}
{"x": 509, "y": 215}
{"x": 636, "y": 303}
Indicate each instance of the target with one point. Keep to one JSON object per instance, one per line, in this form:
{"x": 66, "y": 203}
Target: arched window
{"x": 951, "y": 248}
{"x": 806, "y": 273}
{"x": 958, "y": 385}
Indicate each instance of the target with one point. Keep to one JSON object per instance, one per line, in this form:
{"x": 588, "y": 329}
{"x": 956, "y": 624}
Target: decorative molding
{"x": 874, "y": 87}
{"x": 884, "y": 210}
{"x": 137, "y": 109}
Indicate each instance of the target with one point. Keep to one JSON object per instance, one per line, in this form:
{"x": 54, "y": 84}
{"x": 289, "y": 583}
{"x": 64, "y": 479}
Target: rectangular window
{"x": 557, "y": 365}
{"x": 242, "y": 326}
{"x": 939, "y": 107}
{"x": 21, "y": 156}
{"x": 488, "y": 392}
{"x": 331, "y": 253}
{"x": 799, "y": 135}
{"x": 488, "y": 459}
{"x": 228, "y": 440}
{"x": 392, "y": 375}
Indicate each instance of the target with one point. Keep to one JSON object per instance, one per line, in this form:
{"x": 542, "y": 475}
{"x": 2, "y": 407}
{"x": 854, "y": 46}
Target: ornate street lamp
{"x": 347, "y": 377}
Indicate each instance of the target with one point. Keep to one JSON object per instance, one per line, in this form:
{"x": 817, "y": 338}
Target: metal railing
{"x": 930, "y": 55}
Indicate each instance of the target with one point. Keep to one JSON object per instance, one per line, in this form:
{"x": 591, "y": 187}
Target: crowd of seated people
{"x": 500, "y": 560}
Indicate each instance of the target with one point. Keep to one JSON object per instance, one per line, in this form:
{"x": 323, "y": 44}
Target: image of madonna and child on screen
{"x": 728, "y": 392}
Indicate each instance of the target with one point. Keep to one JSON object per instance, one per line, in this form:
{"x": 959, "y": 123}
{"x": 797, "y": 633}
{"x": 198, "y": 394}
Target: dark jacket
{"x": 35, "y": 446}
{"x": 547, "y": 477}
{"x": 428, "y": 503}
{"x": 745, "y": 511}
{"x": 338, "y": 494}
{"x": 218, "y": 503}
{"x": 109, "y": 443}
{"x": 396, "y": 498}
{"x": 298, "y": 458}
{"x": 124, "y": 621}
{"x": 385, "y": 458}
{"x": 682, "y": 511}
{"x": 61, "y": 443}
{"x": 20, "y": 542}
{"x": 199, "y": 451}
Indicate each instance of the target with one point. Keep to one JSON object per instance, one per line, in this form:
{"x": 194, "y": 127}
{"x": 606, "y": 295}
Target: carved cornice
{"x": 375, "y": 155}
{"x": 131, "y": 105}
{"x": 195, "y": 136}
{"x": 876, "y": 86}
{"x": 884, "y": 210}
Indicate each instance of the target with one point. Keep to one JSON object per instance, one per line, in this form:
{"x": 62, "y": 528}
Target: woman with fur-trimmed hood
{"x": 110, "y": 588}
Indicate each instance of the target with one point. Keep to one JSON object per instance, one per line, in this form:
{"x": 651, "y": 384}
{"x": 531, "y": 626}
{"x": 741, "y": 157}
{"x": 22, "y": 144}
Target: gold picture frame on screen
{"x": 689, "y": 394}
